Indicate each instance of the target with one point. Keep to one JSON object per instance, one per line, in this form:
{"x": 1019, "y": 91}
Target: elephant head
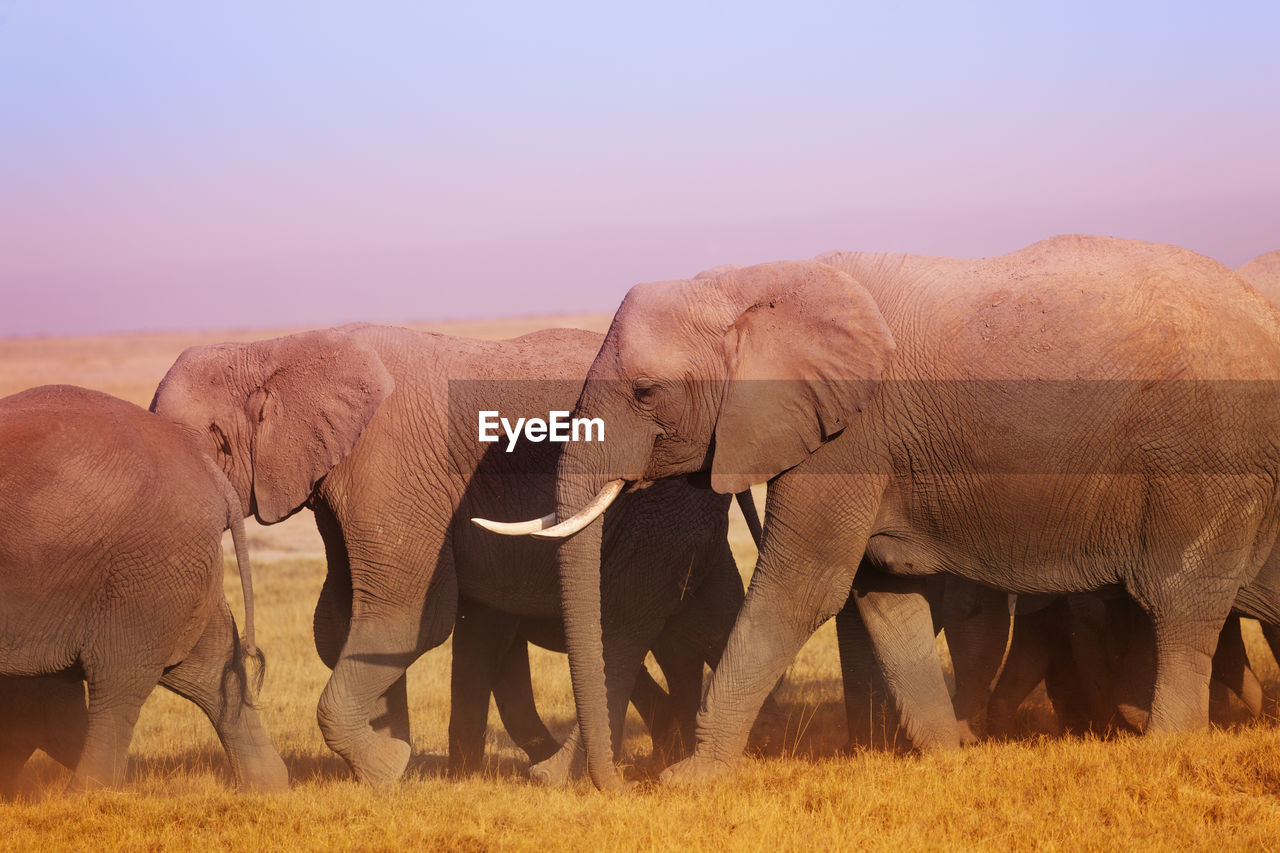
{"x": 277, "y": 415}
{"x": 740, "y": 373}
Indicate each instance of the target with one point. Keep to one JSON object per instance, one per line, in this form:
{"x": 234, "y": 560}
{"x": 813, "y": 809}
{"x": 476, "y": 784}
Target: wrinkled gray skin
{"x": 1130, "y": 480}
{"x": 111, "y": 527}
{"x": 976, "y": 621}
{"x": 374, "y": 428}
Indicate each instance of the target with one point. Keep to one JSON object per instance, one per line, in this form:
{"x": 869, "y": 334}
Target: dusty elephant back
{"x": 90, "y": 486}
{"x": 1071, "y": 307}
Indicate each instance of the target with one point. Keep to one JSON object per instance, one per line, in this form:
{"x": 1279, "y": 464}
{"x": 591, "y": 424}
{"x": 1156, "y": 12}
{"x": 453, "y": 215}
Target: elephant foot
{"x": 557, "y": 771}
{"x": 968, "y": 734}
{"x": 268, "y": 776}
{"x": 697, "y": 769}
{"x": 383, "y": 762}
{"x": 1136, "y": 717}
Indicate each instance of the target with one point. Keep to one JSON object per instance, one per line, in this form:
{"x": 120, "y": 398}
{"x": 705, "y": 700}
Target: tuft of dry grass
{"x": 1215, "y": 789}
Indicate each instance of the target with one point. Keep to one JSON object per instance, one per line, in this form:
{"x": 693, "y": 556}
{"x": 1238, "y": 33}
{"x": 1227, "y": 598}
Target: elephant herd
{"x": 1090, "y": 424}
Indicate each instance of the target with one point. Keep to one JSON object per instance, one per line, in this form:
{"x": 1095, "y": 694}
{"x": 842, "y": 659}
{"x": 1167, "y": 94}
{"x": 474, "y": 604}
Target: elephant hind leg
{"x": 212, "y": 676}
{"x": 116, "y": 694}
{"x": 1186, "y": 621}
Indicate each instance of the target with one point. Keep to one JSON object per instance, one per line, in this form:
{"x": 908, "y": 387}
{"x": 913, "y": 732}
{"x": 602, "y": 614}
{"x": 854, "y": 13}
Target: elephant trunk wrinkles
{"x": 579, "y": 559}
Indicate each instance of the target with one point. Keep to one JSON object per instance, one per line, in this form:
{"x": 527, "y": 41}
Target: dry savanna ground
{"x": 1213, "y": 789}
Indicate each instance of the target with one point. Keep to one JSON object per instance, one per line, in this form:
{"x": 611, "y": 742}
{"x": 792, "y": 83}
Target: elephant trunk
{"x": 579, "y": 559}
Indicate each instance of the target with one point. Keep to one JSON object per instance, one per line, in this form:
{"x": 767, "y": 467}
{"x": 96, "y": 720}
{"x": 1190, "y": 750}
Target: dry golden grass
{"x": 1208, "y": 790}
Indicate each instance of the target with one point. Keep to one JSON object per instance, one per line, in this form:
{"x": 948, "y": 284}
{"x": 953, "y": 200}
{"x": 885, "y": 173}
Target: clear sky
{"x": 208, "y": 165}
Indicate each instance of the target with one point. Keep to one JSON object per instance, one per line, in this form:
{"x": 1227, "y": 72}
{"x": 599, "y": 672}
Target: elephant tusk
{"x": 588, "y": 514}
{"x": 516, "y": 528}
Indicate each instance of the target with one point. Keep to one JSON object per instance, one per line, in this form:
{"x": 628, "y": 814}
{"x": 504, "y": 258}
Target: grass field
{"x": 1208, "y": 790}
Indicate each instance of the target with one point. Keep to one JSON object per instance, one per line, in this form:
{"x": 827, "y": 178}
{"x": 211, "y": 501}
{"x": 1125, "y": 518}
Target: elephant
{"x": 1081, "y": 413}
{"x": 111, "y": 573}
{"x": 376, "y": 429}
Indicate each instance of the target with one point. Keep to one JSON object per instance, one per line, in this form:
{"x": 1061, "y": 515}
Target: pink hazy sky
{"x": 165, "y": 168}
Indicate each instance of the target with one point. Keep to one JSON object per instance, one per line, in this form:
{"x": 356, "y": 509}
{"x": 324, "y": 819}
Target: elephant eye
{"x": 645, "y": 392}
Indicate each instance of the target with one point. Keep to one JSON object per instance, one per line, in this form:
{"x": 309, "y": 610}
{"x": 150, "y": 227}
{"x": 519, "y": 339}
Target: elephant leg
{"x": 1133, "y": 642}
{"x": 1186, "y": 625}
{"x": 1231, "y": 670}
{"x": 977, "y": 638}
{"x": 897, "y": 616}
{"x": 14, "y": 752}
{"x": 395, "y": 618}
{"x": 482, "y": 638}
{"x": 625, "y": 646}
{"x": 674, "y": 713}
{"x": 66, "y": 718}
{"x": 872, "y": 719}
{"x": 332, "y": 621}
{"x": 18, "y": 726}
{"x": 116, "y": 693}
{"x": 513, "y": 694}
{"x": 47, "y": 713}
{"x": 1025, "y": 666}
{"x": 1087, "y": 631}
{"x": 374, "y": 658}
{"x": 332, "y": 618}
{"x": 1064, "y": 684}
{"x": 802, "y": 579}
{"x": 1271, "y": 633}
{"x": 567, "y": 762}
{"x": 213, "y": 677}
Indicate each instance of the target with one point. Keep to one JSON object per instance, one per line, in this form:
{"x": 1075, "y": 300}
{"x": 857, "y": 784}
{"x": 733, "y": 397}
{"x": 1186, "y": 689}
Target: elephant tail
{"x": 252, "y": 654}
{"x": 747, "y": 504}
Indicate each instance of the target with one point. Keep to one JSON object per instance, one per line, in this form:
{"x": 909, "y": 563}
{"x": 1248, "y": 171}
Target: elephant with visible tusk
{"x": 376, "y": 429}
{"x": 1085, "y": 412}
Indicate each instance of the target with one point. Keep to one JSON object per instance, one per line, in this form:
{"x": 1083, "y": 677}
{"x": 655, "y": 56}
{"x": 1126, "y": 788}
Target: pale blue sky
{"x": 171, "y": 166}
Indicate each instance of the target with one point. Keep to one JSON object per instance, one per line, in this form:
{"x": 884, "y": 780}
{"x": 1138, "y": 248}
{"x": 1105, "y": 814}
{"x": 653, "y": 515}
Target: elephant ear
{"x": 802, "y": 359}
{"x": 308, "y": 414}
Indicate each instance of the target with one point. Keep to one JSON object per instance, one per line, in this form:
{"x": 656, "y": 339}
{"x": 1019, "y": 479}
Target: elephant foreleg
{"x": 796, "y": 587}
